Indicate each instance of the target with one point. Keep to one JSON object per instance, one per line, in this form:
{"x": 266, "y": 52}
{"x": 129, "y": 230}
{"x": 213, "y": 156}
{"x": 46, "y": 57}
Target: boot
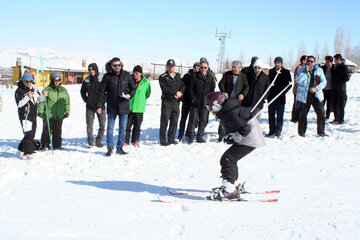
{"x": 199, "y": 139}
{"x": 226, "y": 192}
{"x": 120, "y": 151}
{"x": 109, "y": 152}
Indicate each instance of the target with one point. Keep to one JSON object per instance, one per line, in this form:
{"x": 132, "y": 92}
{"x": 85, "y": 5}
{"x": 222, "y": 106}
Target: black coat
{"x": 226, "y": 84}
{"x": 186, "y": 81}
{"x": 257, "y": 89}
{"x": 324, "y": 68}
{"x": 250, "y": 75}
{"x": 111, "y": 88}
{"x": 281, "y": 82}
{"x": 200, "y": 87}
{"x": 90, "y": 90}
{"x": 169, "y": 86}
{"x": 29, "y": 110}
{"x": 341, "y": 74}
{"x": 233, "y": 117}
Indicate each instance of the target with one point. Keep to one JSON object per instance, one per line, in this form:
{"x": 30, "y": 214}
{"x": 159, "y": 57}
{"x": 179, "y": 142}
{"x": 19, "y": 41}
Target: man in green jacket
{"x": 137, "y": 106}
{"x": 58, "y": 106}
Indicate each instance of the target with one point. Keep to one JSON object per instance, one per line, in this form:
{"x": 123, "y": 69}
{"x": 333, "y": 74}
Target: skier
{"x": 27, "y": 109}
{"x": 89, "y": 93}
{"x": 58, "y": 105}
{"x": 243, "y": 136}
{"x": 137, "y": 106}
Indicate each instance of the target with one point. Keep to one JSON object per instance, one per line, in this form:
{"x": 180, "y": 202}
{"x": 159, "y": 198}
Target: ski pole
{"x": 268, "y": 104}
{"x": 267, "y": 90}
{"x": 46, "y": 107}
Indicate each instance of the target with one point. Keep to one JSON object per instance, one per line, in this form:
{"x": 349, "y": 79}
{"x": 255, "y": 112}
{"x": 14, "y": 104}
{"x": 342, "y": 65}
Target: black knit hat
{"x": 338, "y": 56}
{"x": 278, "y": 59}
{"x": 137, "y": 68}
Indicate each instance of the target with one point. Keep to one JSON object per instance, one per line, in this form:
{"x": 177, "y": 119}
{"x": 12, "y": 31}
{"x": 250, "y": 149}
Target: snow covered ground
{"x": 79, "y": 193}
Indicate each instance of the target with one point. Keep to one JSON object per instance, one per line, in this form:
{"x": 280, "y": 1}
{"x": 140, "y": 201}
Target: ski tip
{"x": 270, "y": 200}
{"x": 273, "y": 191}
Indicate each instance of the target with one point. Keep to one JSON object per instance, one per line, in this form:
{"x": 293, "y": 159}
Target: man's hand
{"x": 44, "y": 93}
{"x": 98, "y": 110}
{"x": 313, "y": 90}
{"x": 226, "y": 95}
{"x": 307, "y": 68}
{"x": 127, "y": 96}
{"x": 178, "y": 95}
{"x": 241, "y": 97}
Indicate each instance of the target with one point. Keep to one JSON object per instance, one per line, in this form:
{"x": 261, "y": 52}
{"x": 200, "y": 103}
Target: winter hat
{"x": 137, "y": 68}
{"x": 204, "y": 60}
{"x": 338, "y": 56}
{"x": 257, "y": 63}
{"x": 170, "y": 62}
{"x": 253, "y": 60}
{"x": 27, "y": 77}
{"x": 196, "y": 64}
{"x": 278, "y": 59}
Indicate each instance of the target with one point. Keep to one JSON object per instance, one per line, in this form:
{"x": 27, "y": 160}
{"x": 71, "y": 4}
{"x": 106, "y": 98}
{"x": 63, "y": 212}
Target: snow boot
{"x": 120, "y": 151}
{"x": 109, "y": 152}
{"x": 227, "y": 191}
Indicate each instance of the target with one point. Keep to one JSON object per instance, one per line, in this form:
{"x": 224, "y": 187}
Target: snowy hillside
{"x": 79, "y": 193}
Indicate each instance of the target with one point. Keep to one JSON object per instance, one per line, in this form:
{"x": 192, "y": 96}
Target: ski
{"x": 240, "y": 199}
{"x": 200, "y": 194}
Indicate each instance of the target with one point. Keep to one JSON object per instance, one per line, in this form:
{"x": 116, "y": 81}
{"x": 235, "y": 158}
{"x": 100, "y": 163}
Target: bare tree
{"x": 339, "y": 40}
{"x": 302, "y": 49}
{"x": 347, "y": 47}
{"x": 227, "y": 64}
{"x": 316, "y": 52}
{"x": 325, "y": 51}
{"x": 242, "y": 57}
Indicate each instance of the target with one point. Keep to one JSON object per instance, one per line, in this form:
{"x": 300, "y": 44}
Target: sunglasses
{"x": 204, "y": 67}
{"x": 27, "y": 81}
{"x": 91, "y": 69}
{"x": 116, "y": 65}
{"x": 310, "y": 61}
{"x": 216, "y": 107}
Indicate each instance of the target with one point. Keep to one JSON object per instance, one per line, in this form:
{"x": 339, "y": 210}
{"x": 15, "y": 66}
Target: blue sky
{"x": 154, "y": 30}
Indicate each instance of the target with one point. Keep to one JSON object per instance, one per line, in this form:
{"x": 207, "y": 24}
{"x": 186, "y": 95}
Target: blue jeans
{"x": 110, "y": 129}
{"x": 275, "y": 125}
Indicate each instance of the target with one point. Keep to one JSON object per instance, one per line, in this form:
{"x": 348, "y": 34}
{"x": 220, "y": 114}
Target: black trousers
{"x": 200, "y": 113}
{"x": 295, "y": 110}
{"x": 304, "y": 110}
{"x": 90, "y": 116}
{"x": 56, "y": 130}
{"x": 169, "y": 112}
{"x": 134, "y": 120}
{"x": 328, "y": 102}
{"x": 27, "y": 143}
{"x": 276, "y": 123}
{"x": 228, "y": 161}
{"x": 340, "y": 99}
{"x": 185, "y": 110}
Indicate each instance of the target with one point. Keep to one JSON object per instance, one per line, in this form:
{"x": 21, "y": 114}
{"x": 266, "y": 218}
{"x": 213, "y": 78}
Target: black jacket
{"x": 233, "y": 117}
{"x": 111, "y": 89}
{"x": 90, "y": 89}
{"x": 29, "y": 110}
{"x": 226, "y": 84}
{"x": 257, "y": 89}
{"x": 281, "y": 82}
{"x": 341, "y": 74}
{"x": 186, "y": 81}
{"x": 250, "y": 75}
{"x": 169, "y": 86}
{"x": 200, "y": 87}
{"x": 324, "y": 68}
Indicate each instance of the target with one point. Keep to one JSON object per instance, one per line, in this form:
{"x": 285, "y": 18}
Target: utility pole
{"x": 222, "y": 38}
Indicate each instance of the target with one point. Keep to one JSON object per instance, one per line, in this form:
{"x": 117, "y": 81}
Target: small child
{"x": 243, "y": 136}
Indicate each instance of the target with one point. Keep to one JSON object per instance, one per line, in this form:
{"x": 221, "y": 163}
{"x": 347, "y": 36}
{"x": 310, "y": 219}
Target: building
{"x": 69, "y": 76}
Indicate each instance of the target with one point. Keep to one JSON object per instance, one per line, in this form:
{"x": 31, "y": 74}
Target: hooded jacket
{"x": 90, "y": 89}
{"x": 143, "y": 90}
{"x": 27, "y": 107}
{"x": 303, "y": 80}
{"x": 58, "y": 102}
{"x": 111, "y": 90}
{"x": 233, "y": 119}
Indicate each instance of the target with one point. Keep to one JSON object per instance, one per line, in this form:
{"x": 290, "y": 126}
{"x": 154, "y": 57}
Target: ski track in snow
{"x": 78, "y": 193}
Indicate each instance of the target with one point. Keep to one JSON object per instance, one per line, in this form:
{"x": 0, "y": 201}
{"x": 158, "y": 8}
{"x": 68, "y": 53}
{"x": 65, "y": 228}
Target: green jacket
{"x": 138, "y": 101}
{"x": 58, "y": 102}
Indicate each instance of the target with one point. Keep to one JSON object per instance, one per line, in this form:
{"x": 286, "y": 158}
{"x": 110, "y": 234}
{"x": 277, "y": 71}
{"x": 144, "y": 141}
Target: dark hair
{"x": 303, "y": 57}
{"x": 311, "y": 57}
{"x": 108, "y": 67}
{"x": 115, "y": 59}
{"x": 338, "y": 56}
{"x": 329, "y": 58}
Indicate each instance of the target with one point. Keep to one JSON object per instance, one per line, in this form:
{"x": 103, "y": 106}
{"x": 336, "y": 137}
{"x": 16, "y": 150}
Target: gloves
{"x": 66, "y": 115}
{"x": 244, "y": 131}
{"x": 229, "y": 139}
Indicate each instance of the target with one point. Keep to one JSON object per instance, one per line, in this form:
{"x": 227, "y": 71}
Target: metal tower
{"x": 222, "y": 37}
